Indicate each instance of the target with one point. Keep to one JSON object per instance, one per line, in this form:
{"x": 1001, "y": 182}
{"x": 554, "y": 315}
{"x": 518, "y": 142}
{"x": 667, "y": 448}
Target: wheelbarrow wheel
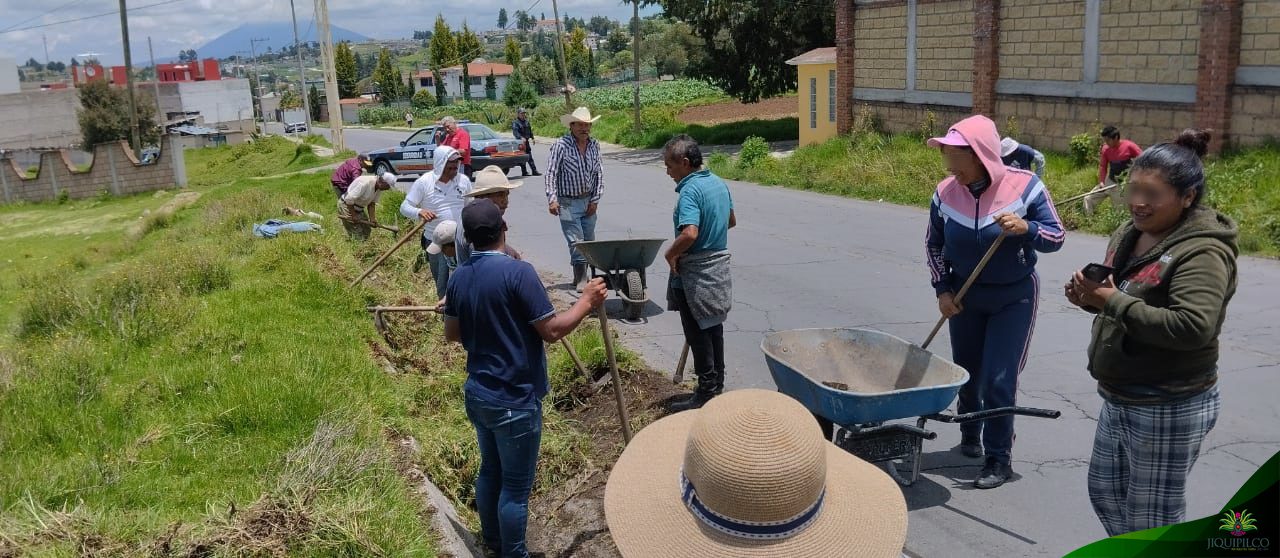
{"x": 635, "y": 291}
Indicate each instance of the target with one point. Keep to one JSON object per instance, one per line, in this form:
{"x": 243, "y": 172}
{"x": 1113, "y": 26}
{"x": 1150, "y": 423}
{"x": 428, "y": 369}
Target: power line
{"x": 33, "y": 18}
{"x": 110, "y": 13}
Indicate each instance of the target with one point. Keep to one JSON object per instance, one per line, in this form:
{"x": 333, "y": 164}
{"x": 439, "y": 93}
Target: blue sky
{"x": 184, "y": 24}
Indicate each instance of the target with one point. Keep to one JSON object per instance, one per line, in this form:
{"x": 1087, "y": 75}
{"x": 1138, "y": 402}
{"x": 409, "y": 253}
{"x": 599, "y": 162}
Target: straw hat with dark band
{"x": 749, "y": 475}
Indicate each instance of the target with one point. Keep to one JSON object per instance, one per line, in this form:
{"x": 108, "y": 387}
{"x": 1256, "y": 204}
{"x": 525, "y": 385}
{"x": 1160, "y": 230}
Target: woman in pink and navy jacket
{"x": 991, "y": 331}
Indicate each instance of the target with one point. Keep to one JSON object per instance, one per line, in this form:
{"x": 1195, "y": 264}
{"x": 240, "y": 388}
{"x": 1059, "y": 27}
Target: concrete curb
{"x": 455, "y": 539}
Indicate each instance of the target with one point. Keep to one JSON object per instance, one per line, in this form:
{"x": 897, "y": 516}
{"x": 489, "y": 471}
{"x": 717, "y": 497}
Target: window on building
{"x": 475, "y": 80}
{"x": 427, "y": 82}
{"x": 813, "y": 103}
{"x": 831, "y": 94}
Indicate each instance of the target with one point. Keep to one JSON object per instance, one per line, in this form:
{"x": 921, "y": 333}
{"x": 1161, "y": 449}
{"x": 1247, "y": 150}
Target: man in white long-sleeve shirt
{"x": 436, "y": 197}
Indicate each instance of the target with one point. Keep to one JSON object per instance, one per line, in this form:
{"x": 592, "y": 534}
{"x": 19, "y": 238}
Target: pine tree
{"x": 491, "y": 87}
{"x": 512, "y": 52}
{"x": 344, "y": 65}
{"x": 386, "y": 76}
{"x": 444, "y": 47}
{"x": 502, "y": 18}
{"x": 520, "y": 93}
{"x": 313, "y": 97}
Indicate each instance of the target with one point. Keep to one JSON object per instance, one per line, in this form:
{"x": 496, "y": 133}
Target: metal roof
{"x": 825, "y": 55}
{"x": 196, "y": 130}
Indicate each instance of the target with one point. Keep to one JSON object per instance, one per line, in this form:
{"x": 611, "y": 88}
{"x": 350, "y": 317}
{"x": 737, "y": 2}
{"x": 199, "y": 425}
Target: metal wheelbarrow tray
{"x": 858, "y": 379}
{"x": 622, "y": 264}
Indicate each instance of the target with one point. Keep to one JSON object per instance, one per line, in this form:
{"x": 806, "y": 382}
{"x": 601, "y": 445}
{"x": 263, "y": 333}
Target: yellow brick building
{"x": 816, "y": 91}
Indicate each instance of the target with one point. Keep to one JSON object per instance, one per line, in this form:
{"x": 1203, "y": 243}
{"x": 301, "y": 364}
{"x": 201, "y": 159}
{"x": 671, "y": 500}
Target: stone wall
{"x": 115, "y": 170}
{"x": 944, "y": 46}
{"x": 1041, "y": 39}
{"x": 910, "y": 117}
{"x": 1255, "y": 114}
{"x": 881, "y": 35}
{"x": 1149, "y": 41}
{"x": 1049, "y": 122}
{"x": 1260, "y": 33}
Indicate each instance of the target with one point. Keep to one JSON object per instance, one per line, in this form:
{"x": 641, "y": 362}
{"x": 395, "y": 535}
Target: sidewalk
{"x": 321, "y": 151}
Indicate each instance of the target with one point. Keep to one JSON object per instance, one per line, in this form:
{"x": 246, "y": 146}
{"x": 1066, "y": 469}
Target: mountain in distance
{"x": 279, "y": 36}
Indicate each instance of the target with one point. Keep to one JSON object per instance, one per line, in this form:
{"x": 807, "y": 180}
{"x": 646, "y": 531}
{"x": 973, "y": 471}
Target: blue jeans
{"x": 576, "y": 225}
{"x": 439, "y": 272}
{"x": 990, "y": 338}
{"x": 509, "y": 440}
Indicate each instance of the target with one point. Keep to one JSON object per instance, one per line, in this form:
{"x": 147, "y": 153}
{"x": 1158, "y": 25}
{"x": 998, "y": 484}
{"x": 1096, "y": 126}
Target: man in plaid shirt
{"x": 575, "y": 182}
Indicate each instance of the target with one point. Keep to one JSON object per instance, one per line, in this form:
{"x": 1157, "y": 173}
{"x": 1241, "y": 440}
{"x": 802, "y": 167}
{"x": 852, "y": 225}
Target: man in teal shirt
{"x": 700, "y": 287}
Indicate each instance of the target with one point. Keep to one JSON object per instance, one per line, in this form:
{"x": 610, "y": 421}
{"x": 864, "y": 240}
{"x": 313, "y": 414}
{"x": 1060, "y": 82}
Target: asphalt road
{"x": 808, "y": 260}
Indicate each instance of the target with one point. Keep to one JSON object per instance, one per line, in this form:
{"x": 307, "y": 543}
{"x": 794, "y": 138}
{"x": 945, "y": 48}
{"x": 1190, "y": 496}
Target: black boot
{"x": 993, "y": 474}
{"x": 580, "y": 277}
{"x": 971, "y": 447}
{"x": 695, "y": 401}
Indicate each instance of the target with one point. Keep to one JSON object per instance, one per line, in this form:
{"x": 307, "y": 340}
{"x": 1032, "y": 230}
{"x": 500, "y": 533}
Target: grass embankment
{"x": 188, "y": 388}
{"x": 266, "y": 156}
{"x": 901, "y": 169}
{"x": 661, "y": 103}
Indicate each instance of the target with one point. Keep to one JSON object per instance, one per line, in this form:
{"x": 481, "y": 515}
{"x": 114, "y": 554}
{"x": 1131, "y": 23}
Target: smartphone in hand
{"x": 1097, "y": 273}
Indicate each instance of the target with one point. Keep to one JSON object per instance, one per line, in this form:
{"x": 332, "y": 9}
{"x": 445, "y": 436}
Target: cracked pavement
{"x": 805, "y": 260}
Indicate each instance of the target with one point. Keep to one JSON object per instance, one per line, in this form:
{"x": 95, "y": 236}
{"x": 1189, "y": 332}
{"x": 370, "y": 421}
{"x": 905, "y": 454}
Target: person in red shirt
{"x": 458, "y": 138}
{"x": 348, "y": 172}
{"x": 1117, "y": 155}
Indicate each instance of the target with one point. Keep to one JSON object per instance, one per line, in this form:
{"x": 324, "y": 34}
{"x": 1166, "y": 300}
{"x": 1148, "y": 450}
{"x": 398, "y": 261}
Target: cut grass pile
{"x": 901, "y": 169}
{"x": 194, "y": 390}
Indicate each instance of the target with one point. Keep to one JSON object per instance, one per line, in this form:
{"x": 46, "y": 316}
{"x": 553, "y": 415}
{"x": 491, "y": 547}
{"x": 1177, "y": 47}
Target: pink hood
{"x": 982, "y": 136}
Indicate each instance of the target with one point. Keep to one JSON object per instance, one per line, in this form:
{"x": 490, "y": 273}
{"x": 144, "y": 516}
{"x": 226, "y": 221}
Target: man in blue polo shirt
{"x": 498, "y": 309}
{"x": 700, "y": 287}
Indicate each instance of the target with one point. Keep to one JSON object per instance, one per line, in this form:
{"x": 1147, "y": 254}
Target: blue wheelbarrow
{"x": 856, "y": 380}
{"x": 622, "y": 263}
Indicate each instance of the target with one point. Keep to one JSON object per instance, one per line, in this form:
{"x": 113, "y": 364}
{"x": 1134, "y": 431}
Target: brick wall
{"x": 114, "y": 170}
{"x": 1049, "y": 122}
{"x": 1149, "y": 41}
{"x": 1041, "y": 39}
{"x": 1260, "y": 33}
{"x": 880, "y": 38}
{"x": 944, "y": 46}
{"x": 1255, "y": 114}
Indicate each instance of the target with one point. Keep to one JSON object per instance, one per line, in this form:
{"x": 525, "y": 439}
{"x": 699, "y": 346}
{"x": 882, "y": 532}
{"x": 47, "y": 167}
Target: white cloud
{"x": 191, "y": 23}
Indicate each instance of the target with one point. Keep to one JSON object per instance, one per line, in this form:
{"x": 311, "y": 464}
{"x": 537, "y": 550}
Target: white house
{"x": 478, "y": 70}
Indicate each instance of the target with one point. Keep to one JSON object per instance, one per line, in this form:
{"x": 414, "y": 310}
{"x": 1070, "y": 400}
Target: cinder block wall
{"x": 1062, "y": 67}
{"x": 115, "y": 170}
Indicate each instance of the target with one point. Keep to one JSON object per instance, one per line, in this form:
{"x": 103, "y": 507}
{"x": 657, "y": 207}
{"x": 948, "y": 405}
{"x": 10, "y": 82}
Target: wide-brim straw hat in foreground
{"x": 491, "y": 180}
{"x": 749, "y": 475}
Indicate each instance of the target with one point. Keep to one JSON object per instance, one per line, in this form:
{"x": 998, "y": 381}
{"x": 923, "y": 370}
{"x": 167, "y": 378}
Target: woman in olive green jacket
{"x": 1154, "y": 349}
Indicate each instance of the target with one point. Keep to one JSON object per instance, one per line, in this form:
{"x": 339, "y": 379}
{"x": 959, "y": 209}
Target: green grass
{"x": 901, "y": 169}
{"x": 267, "y": 156}
{"x": 196, "y": 388}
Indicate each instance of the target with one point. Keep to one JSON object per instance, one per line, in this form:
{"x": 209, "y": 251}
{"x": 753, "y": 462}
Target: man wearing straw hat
{"x": 498, "y": 309}
{"x": 575, "y": 182}
{"x": 491, "y": 184}
{"x": 700, "y": 287}
{"x": 749, "y": 475}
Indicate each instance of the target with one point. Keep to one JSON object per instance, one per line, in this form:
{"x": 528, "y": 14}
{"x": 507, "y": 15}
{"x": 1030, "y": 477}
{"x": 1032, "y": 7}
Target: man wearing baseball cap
{"x": 498, "y": 309}
{"x": 357, "y": 207}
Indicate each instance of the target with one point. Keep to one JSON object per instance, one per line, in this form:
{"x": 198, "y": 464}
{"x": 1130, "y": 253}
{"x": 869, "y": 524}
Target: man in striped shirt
{"x": 575, "y": 182}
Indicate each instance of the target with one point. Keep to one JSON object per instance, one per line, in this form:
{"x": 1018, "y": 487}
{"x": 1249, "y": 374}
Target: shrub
{"x": 423, "y": 99}
{"x": 754, "y": 149}
{"x": 1085, "y": 148}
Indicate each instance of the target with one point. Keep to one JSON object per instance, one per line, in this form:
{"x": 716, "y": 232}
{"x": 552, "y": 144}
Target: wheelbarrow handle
{"x": 992, "y": 413}
{"x": 896, "y": 427}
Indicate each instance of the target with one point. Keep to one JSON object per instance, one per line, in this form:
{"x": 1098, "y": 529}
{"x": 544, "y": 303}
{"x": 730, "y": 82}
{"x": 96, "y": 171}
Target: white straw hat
{"x": 1008, "y": 146}
{"x": 491, "y": 180}
{"x": 580, "y": 114}
{"x": 749, "y": 475}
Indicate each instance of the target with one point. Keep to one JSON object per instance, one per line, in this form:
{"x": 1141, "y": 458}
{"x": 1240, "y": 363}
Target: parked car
{"x": 413, "y": 155}
{"x": 295, "y": 127}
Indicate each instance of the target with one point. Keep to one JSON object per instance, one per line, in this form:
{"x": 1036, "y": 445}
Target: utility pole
{"x": 564, "y": 69}
{"x": 330, "y": 76}
{"x": 135, "y": 141}
{"x": 302, "y": 72}
{"x": 46, "y": 51}
{"x": 635, "y": 55}
{"x": 253, "y": 52}
{"x": 155, "y": 74}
